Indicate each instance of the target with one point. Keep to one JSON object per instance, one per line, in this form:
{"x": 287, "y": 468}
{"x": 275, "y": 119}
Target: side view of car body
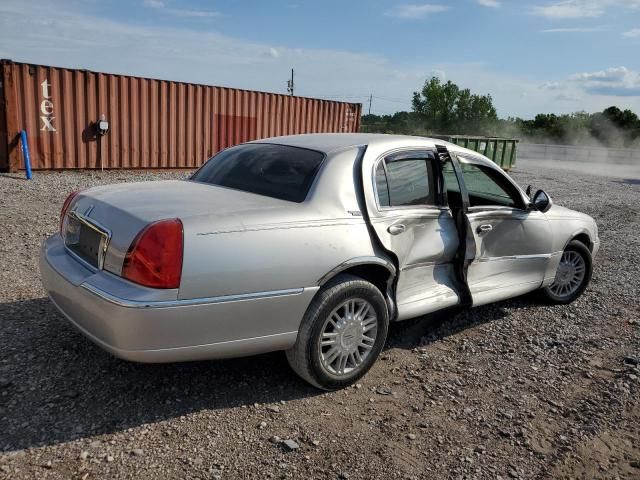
{"x": 310, "y": 244}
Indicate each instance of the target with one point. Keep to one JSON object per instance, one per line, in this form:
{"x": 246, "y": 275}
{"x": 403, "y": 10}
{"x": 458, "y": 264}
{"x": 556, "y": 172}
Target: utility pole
{"x": 290, "y": 85}
{"x": 370, "y": 102}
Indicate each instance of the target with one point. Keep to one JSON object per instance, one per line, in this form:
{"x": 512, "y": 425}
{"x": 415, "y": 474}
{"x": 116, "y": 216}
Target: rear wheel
{"x": 573, "y": 274}
{"x": 342, "y": 333}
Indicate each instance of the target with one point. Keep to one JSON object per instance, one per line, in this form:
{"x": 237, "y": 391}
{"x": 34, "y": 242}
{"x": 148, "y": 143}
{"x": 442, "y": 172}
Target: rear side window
{"x": 277, "y": 171}
{"x": 405, "y": 182}
{"x": 382, "y": 187}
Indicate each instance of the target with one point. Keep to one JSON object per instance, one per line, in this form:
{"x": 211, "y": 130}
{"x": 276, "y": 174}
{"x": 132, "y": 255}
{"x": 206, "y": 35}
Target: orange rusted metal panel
{"x": 152, "y": 123}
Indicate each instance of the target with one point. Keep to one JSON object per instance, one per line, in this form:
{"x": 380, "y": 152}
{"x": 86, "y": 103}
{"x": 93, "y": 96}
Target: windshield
{"x": 277, "y": 171}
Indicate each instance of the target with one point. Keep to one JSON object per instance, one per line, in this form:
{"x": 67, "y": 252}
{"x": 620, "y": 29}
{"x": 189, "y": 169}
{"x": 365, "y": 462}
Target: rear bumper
{"x": 147, "y": 325}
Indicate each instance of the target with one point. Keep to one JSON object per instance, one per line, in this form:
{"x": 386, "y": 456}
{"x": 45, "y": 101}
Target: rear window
{"x": 277, "y": 171}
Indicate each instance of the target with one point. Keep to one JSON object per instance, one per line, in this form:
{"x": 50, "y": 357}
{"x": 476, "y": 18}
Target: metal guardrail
{"x": 502, "y": 151}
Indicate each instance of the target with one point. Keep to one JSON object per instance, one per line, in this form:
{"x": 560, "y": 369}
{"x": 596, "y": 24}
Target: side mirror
{"x": 542, "y": 201}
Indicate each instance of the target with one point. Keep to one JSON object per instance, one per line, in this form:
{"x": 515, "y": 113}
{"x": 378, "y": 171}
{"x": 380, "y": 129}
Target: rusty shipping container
{"x": 152, "y": 123}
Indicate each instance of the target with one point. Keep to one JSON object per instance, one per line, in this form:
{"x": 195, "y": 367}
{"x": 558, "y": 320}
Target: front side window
{"x": 405, "y": 182}
{"x": 487, "y": 187}
{"x": 277, "y": 171}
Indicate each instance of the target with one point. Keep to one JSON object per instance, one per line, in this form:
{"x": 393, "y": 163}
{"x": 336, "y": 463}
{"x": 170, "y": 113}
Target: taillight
{"x": 154, "y": 258}
{"x": 65, "y": 207}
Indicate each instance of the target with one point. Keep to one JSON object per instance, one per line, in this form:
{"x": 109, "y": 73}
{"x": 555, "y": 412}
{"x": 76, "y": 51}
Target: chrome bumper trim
{"x": 187, "y": 302}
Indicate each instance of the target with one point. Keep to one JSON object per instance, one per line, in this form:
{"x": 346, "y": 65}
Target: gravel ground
{"x": 512, "y": 390}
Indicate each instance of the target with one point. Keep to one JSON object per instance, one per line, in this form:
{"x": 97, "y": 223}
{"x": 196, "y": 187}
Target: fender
{"x": 355, "y": 262}
{"x": 580, "y": 231}
{"x": 370, "y": 261}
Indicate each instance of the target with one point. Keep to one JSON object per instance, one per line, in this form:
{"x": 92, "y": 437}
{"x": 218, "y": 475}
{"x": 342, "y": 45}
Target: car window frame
{"x": 436, "y": 182}
{"x": 521, "y": 204}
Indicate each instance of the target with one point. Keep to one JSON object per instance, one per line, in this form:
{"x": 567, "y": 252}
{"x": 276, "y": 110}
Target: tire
{"x": 554, "y": 293}
{"x": 335, "y": 315}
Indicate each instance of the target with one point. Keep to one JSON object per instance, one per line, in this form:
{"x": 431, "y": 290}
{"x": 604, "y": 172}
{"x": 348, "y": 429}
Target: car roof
{"x": 332, "y": 142}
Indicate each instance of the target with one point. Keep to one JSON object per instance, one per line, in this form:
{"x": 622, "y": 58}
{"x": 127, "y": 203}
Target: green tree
{"x": 445, "y": 108}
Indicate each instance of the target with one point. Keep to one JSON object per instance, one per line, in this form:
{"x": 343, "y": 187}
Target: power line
{"x": 343, "y": 96}
{"x": 395, "y": 100}
{"x": 368, "y": 98}
{"x": 290, "y": 85}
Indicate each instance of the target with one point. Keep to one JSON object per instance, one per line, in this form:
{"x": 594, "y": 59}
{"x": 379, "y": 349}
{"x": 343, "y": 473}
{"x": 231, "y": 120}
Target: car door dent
{"x": 508, "y": 274}
{"x": 522, "y": 235}
{"x": 422, "y": 251}
{"x": 467, "y": 249}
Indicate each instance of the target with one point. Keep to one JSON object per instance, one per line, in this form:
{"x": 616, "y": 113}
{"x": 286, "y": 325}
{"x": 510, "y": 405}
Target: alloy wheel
{"x": 570, "y": 274}
{"x": 348, "y": 336}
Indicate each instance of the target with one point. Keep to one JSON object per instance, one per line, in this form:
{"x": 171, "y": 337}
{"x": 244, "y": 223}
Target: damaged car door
{"x": 509, "y": 241}
{"x": 411, "y": 221}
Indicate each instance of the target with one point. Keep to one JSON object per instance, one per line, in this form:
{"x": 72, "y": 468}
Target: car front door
{"x": 510, "y": 243}
{"x": 412, "y": 222}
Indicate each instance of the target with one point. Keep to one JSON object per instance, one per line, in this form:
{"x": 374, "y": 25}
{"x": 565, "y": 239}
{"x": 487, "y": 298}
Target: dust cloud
{"x": 630, "y": 173}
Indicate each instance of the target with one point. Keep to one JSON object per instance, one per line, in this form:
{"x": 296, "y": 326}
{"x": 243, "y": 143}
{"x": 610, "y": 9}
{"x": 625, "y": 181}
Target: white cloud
{"x": 635, "y": 32}
{"x": 600, "y": 28}
{"x": 179, "y": 12}
{"x": 614, "y": 73}
{"x": 580, "y": 8}
{"x": 552, "y": 86}
{"x": 567, "y": 97}
{"x": 489, "y": 3}
{"x": 615, "y": 81}
{"x": 153, "y": 3}
{"x": 570, "y": 9}
{"x": 414, "y": 11}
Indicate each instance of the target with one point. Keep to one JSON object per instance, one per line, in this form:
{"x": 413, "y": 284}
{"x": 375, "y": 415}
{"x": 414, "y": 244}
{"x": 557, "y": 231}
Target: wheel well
{"x": 376, "y": 274}
{"x": 583, "y": 238}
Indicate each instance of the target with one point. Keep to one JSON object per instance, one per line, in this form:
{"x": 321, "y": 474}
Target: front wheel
{"x": 342, "y": 333}
{"x": 573, "y": 274}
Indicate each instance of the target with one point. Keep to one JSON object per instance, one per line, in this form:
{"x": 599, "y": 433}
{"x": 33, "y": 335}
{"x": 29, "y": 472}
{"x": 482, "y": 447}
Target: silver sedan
{"x": 310, "y": 244}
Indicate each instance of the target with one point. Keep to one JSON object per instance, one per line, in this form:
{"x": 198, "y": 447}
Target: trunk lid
{"x": 152, "y": 201}
{"x": 125, "y": 209}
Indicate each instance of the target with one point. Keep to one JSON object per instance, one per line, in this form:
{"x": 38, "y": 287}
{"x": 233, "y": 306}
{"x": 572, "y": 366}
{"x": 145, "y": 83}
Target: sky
{"x": 532, "y": 56}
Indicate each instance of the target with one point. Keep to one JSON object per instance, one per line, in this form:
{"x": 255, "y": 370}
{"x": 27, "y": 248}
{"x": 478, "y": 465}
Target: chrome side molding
{"x": 187, "y": 302}
{"x": 519, "y": 257}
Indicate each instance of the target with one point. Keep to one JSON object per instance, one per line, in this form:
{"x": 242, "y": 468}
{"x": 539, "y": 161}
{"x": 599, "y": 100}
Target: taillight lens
{"x": 65, "y": 207}
{"x": 154, "y": 258}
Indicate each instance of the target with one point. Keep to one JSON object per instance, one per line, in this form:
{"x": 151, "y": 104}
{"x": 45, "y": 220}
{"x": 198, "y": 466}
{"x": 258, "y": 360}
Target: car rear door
{"x": 509, "y": 243}
{"x": 411, "y": 221}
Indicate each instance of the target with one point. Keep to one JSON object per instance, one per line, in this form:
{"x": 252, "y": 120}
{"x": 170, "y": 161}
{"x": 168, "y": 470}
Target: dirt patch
{"x": 512, "y": 390}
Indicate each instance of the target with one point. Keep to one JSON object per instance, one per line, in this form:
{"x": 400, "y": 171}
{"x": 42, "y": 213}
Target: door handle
{"x": 396, "y": 229}
{"x": 485, "y": 228}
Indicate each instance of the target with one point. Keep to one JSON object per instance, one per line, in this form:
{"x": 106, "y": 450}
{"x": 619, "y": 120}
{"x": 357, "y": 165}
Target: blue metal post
{"x": 25, "y": 154}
